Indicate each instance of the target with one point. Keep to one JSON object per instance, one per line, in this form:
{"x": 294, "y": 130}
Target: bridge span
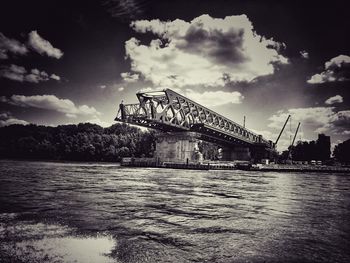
{"x": 184, "y": 122}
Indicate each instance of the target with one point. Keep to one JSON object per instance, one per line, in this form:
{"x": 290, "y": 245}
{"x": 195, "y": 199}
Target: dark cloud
{"x": 13, "y": 72}
{"x": 18, "y": 73}
{"x": 8, "y": 45}
{"x": 124, "y": 9}
{"x": 340, "y": 122}
{"x": 50, "y": 102}
{"x": 223, "y": 47}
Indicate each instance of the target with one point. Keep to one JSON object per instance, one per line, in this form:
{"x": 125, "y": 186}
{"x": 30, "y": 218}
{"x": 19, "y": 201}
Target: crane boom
{"x": 295, "y": 135}
{"x": 282, "y": 130}
{"x": 291, "y": 146}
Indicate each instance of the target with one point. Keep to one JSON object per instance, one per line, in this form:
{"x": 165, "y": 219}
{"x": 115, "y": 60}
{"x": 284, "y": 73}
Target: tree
{"x": 84, "y": 141}
{"x": 313, "y": 150}
{"x": 342, "y": 152}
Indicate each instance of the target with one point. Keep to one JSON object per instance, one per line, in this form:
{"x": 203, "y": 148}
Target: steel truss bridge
{"x": 170, "y": 111}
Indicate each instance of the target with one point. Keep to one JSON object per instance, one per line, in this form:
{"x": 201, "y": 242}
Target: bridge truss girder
{"x": 169, "y": 111}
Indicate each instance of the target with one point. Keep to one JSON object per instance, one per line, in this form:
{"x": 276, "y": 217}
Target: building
{"x": 323, "y": 145}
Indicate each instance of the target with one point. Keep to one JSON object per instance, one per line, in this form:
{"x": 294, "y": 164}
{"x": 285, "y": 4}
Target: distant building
{"x": 323, "y": 145}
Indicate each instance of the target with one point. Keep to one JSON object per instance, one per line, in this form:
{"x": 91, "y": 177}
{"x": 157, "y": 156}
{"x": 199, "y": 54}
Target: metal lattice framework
{"x": 169, "y": 111}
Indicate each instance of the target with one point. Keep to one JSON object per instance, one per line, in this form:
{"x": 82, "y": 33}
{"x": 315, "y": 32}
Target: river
{"x": 93, "y": 212}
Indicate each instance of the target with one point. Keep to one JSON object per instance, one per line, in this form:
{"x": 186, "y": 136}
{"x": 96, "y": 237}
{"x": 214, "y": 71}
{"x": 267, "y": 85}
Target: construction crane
{"x": 282, "y": 130}
{"x": 291, "y": 146}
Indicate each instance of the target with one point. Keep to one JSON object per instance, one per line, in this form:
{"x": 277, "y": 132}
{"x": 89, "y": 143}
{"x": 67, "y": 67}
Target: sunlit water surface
{"x": 88, "y": 212}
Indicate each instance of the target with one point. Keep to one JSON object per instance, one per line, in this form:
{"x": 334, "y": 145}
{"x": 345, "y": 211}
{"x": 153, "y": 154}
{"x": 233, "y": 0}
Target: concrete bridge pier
{"x": 240, "y": 153}
{"x": 179, "y": 147}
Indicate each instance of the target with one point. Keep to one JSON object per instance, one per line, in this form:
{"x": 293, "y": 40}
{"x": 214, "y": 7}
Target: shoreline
{"x": 58, "y": 161}
{"x": 246, "y": 166}
{"x": 204, "y": 166}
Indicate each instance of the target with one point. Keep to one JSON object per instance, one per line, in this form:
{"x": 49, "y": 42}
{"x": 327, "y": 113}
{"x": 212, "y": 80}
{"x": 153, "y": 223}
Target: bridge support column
{"x": 240, "y": 153}
{"x": 179, "y": 147}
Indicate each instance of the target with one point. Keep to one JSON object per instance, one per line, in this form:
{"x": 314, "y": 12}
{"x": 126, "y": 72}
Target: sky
{"x": 64, "y": 62}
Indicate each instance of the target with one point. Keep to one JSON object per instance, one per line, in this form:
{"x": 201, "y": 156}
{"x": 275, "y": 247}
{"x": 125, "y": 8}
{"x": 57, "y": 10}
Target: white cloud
{"x": 214, "y": 98}
{"x": 320, "y": 78}
{"x": 319, "y": 119}
{"x": 18, "y": 73}
{"x": 206, "y": 51}
{"x": 13, "y": 72}
{"x": 36, "y": 76}
{"x": 55, "y": 77}
{"x": 7, "y": 119}
{"x": 313, "y": 116}
{"x": 43, "y": 46}
{"x": 128, "y": 77}
{"x": 337, "y": 69}
{"x": 266, "y": 134}
{"x": 335, "y": 99}
{"x": 150, "y": 89}
{"x": 338, "y": 123}
{"x": 12, "y": 121}
{"x": 206, "y": 98}
{"x": 337, "y": 62}
{"x": 11, "y": 45}
{"x": 120, "y": 88}
{"x": 50, "y": 102}
{"x": 103, "y": 86}
{"x": 304, "y": 54}
{"x": 98, "y": 121}
{"x": 35, "y": 41}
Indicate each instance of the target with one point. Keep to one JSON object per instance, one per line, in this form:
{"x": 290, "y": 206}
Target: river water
{"x": 89, "y": 212}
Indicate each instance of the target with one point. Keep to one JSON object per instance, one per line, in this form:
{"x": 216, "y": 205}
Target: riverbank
{"x": 299, "y": 168}
{"x": 234, "y": 165}
{"x": 218, "y": 165}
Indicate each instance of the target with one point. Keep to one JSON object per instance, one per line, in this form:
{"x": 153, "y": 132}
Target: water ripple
{"x": 156, "y": 215}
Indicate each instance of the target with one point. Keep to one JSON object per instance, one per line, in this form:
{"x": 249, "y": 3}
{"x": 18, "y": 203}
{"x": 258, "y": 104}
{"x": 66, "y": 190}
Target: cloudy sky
{"x": 74, "y": 61}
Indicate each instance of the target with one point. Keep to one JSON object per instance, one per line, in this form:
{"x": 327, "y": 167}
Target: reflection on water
{"x": 38, "y": 242}
{"x": 154, "y": 215}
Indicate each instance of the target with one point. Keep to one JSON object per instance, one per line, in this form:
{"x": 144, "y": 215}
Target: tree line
{"x": 342, "y": 152}
{"x": 82, "y": 142}
{"x": 314, "y": 150}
